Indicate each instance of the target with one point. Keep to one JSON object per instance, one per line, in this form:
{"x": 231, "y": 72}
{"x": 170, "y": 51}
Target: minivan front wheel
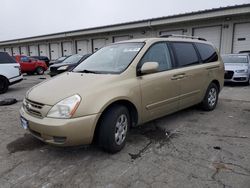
{"x": 114, "y": 126}
{"x": 211, "y": 98}
{"x": 4, "y": 85}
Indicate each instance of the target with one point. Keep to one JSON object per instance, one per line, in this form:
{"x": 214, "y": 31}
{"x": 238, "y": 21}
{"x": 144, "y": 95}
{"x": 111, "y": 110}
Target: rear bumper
{"x": 62, "y": 132}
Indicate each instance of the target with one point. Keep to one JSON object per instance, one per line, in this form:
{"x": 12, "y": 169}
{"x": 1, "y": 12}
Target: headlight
{"x": 242, "y": 71}
{"x": 63, "y": 67}
{"x": 65, "y": 108}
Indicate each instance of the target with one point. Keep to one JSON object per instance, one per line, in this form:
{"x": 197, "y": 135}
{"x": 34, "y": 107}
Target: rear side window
{"x": 6, "y": 58}
{"x": 24, "y": 59}
{"x": 185, "y": 54}
{"x": 159, "y": 53}
{"x": 207, "y": 52}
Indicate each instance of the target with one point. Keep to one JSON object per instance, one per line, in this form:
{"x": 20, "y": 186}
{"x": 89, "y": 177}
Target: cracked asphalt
{"x": 191, "y": 148}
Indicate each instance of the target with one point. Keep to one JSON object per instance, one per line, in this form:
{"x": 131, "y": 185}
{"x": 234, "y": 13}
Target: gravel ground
{"x": 191, "y": 148}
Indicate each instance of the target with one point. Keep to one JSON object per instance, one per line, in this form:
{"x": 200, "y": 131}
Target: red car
{"x": 31, "y": 65}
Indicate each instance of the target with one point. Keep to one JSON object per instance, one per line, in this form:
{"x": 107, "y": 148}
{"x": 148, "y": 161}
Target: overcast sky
{"x": 26, "y": 18}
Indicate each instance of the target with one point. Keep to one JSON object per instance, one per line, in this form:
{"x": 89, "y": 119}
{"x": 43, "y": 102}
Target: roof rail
{"x": 182, "y": 36}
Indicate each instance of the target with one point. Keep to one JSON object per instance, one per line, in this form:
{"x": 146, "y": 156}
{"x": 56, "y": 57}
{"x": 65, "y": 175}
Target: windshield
{"x": 73, "y": 59}
{"x": 234, "y": 59}
{"x": 114, "y": 58}
{"x": 61, "y": 58}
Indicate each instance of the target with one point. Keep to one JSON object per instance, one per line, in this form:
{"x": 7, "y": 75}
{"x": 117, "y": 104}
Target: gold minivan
{"x": 123, "y": 85}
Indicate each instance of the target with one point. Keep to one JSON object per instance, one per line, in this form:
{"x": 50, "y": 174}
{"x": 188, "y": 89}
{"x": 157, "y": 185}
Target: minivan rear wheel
{"x": 114, "y": 125}
{"x": 210, "y": 100}
{"x": 4, "y": 85}
{"x": 39, "y": 70}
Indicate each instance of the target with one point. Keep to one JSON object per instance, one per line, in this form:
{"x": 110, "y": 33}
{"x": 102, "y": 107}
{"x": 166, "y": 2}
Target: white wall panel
{"x": 175, "y": 32}
{"x": 98, "y": 43}
{"x": 241, "y": 37}
{"x": 8, "y": 50}
{"x": 82, "y": 47}
{"x": 24, "y": 50}
{"x": 67, "y": 48}
{"x": 211, "y": 34}
{"x": 44, "y": 50}
{"x": 16, "y": 51}
{"x": 33, "y": 50}
{"x": 121, "y": 38}
{"x": 54, "y": 51}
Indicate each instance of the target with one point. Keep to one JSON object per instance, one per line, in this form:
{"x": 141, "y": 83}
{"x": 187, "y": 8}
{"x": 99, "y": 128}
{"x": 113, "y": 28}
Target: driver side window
{"x": 159, "y": 53}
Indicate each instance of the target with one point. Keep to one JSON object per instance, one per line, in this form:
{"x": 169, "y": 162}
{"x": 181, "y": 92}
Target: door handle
{"x": 178, "y": 76}
{"x": 213, "y": 67}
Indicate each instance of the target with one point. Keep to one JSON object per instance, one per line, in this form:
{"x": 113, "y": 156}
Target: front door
{"x": 160, "y": 90}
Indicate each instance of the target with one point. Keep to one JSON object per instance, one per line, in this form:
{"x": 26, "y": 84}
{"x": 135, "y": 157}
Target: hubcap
{"x": 121, "y": 128}
{"x": 212, "y": 97}
{"x": 40, "y": 70}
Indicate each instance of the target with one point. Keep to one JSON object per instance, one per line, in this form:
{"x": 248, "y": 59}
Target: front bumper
{"x": 231, "y": 76}
{"x": 62, "y": 132}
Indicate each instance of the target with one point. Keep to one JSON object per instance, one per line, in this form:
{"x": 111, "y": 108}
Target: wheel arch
{"x": 133, "y": 112}
{"x": 217, "y": 83}
{"x": 4, "y": 77}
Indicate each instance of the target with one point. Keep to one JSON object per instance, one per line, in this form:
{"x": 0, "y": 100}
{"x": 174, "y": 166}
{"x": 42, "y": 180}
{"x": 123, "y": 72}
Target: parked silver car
{"x": 237, "y": 67}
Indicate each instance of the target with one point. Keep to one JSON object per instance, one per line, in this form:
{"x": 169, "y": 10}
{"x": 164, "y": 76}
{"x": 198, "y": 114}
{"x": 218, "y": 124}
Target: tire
{"x": 4, "y": 85}
{"x": 247, "y": 83}
{"x": 39, "y": 70}
{"x": 30, "y": 73}
{"x": 114, "y": 126}
{"x": 211, "y": 98}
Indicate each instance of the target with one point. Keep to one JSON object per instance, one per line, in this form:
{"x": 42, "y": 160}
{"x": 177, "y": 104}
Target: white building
{"x": 228, "y": 28}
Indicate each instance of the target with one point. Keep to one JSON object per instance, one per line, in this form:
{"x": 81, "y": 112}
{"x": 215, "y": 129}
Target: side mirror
{"x": 30, "y": 60}
{"x": 149, "y": 67}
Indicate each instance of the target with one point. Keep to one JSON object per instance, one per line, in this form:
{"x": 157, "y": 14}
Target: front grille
{"x": 53, "y": 69}
{"x": 240, "y": 79}
{"x": 228, "y": 74}
{"x": 33, "y": 108}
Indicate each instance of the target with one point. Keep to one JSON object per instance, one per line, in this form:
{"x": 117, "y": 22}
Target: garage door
{"x": 33, "y": 50}
{"x": 24, "y": 50}
{"x": 98, "y": 43}
{"x": 8, "y": 50}
{"x": 15, "y": 51}
{"x": 44, "y": 50}
{"x": 241, "y": 37}
{"x": 82, "y": 47}
{"x": 54, "y": 51}
{"x": 175, "y": 32}
{"x": 67, "y": 48}
{"x": 211, "y": 34}
{"x": 121, "y": 38}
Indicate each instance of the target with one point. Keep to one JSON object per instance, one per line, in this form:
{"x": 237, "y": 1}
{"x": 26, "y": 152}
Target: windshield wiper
{"x": 87, "y": 71}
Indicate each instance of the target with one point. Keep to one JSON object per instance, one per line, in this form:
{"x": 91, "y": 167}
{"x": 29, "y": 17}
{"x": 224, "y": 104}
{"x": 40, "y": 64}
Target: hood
{"x": 57, "y": 65}
{"x": 236, "y": 66}
{"x": 65, "y": 85}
